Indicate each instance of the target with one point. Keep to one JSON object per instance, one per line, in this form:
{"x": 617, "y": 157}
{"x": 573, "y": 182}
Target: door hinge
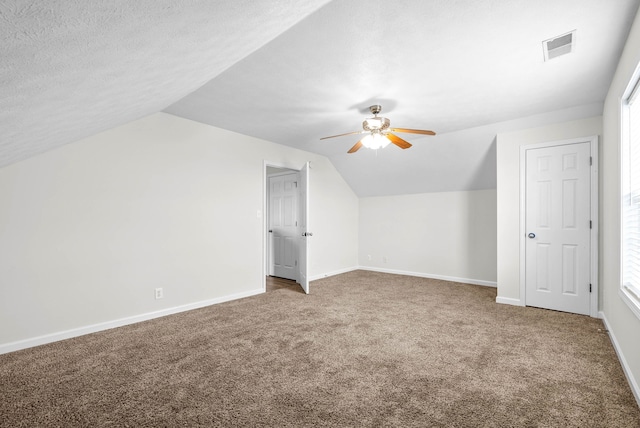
{"x": 590, "y": 224}
{"x": 590, "y": 160}
{"x": 296, "y": 263}
{"x": 295, "y": 183}
{"x": 589, "y": 288}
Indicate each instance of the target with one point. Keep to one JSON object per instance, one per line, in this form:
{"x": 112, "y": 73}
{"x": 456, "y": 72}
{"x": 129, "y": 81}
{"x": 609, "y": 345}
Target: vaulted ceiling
{"x": 292, "y": 72}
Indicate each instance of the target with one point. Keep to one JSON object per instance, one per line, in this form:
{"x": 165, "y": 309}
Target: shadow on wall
{"x": 482, "y": 218}
{"x": 486, "y": 170}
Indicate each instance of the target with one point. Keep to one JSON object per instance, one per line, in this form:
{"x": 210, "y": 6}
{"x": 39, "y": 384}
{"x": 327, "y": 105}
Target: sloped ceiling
{"x": 292, "y": 72}
{"x": 73, "y": 68}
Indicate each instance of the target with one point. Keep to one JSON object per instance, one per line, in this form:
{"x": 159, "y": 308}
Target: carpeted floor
{"x": 364, "y": 349}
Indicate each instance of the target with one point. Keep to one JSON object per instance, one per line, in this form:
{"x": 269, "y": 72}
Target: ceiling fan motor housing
{"x": 375, "y": 109}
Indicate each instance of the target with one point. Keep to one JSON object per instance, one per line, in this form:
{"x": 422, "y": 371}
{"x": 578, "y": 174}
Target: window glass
{"x": 631, "y": 196}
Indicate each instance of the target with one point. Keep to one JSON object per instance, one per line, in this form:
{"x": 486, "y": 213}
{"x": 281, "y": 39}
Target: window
{"x": 630, "y": 165}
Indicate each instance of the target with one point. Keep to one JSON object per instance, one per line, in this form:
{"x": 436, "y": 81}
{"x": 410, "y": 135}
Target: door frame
{"x": 264, "y": 213}
{"x": 593, "y": 274}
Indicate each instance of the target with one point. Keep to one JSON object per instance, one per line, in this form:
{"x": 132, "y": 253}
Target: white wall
{"x": 623, "y": 326}
{"x": 508, "y": 197}
{"x": 449, "y": 235}
{"x": 89, "y": 230}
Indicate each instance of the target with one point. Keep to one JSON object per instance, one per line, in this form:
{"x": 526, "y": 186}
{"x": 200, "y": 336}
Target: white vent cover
{"x": 559, "y": 45}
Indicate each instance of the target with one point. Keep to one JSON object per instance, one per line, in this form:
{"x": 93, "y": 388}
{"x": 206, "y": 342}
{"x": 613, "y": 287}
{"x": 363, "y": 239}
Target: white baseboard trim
{"x": 336, "y": 272}
{"x": 432, "y": 276}
{"x": 94, "y": 328}
{"x": 509, "y": 301}
{"x": 623, "y": 361}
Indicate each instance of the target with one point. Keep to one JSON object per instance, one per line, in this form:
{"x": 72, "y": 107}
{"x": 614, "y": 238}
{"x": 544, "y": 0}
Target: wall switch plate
{"x": 159, "y": 293}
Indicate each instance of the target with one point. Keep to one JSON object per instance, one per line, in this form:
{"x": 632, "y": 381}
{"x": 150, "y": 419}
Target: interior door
{"x": 557, "y": 222}
{"x": 303, "y": 189}
{"x": 283, "y": 227}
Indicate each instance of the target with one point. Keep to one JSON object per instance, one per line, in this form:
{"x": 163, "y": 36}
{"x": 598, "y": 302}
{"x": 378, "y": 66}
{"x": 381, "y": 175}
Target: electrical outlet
{"x": 159, "y": 293}
{"x": 384, "y": 259}
{"x": 369, "y": 257}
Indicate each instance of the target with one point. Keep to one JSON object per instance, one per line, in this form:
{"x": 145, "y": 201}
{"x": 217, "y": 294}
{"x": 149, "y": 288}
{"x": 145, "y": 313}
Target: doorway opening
{"x": 282, "y": 222}
{"x": 285, "y": 207}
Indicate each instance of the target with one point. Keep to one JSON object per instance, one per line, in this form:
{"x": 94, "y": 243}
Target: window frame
{"x": 631, "y": 96}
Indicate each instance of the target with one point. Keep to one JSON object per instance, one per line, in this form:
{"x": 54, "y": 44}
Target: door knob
{"x": 532, "y": 235}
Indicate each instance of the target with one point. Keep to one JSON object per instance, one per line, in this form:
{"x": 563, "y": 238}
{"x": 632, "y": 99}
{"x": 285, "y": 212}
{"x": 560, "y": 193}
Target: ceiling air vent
{"x": 559, "y": 45}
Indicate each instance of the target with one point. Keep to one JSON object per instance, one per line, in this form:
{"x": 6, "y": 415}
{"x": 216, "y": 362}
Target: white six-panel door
{"x": 283, "y": 224}
{"x": 557, "y": 227}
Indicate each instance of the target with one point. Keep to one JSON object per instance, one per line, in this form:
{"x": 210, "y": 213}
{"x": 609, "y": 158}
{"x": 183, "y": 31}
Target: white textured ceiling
{"x": 294, "y": 71}
{"x": 73, "y": 68}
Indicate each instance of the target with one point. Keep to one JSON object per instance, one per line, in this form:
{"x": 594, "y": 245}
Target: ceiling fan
{"x": 379, "y": 135}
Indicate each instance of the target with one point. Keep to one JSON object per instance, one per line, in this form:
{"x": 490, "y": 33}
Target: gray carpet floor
{"x": 364, "y": 349}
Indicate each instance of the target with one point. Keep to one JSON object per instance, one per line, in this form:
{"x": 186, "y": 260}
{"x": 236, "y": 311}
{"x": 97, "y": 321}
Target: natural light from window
{"x": 630, "y": 164}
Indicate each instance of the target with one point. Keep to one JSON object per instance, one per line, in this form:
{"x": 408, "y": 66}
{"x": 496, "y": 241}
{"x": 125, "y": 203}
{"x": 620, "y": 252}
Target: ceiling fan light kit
{"x": 375, "y": 141}
{"x": 379, "y": 133}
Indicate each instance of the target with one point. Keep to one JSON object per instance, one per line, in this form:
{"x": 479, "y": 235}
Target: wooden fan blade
{"x": 356, "y": 147}
{"x": 342, "y": 135}
{"x": 413, "y": 131}
{"x": 398, "y": 141}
